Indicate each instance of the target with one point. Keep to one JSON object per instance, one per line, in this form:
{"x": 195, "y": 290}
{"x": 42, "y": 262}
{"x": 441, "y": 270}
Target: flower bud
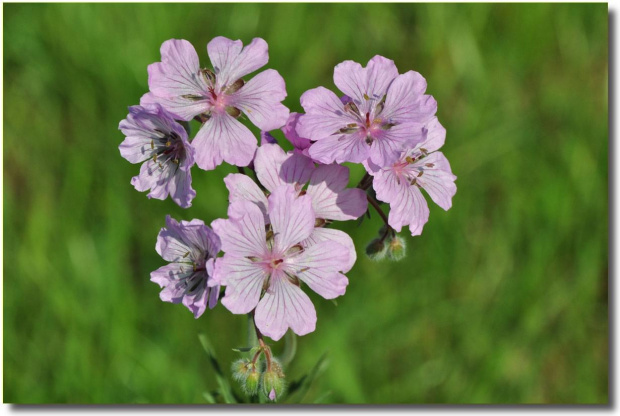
{"x": 376, "y": 249}
{"x": 396, "y": 248}
{"x": 241, "y": 369}
{"x": 273, "y": 385}
{"x": 252, "y": 382}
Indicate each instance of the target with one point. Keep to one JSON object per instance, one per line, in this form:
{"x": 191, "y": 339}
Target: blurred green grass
{"x": 503, "y": 299}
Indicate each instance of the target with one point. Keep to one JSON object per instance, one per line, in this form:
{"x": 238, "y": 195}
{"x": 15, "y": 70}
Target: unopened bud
{"x": 241, "y": 369}
{"x": 396, "y": 248}
{"x": 273, "y": 385}
{"x": 252, "y": 383}
{"x": 376, "y": 249}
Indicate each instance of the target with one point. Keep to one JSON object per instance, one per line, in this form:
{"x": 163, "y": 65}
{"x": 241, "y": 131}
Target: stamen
{"x": 350, "y": 107}
{"x": 409, "y": 159}
{"x": 421, "y": 173}
{"x": 193, "y": 97}
{"x": 430, "y": 165}
{"x": 369, "y": 140}
{"x": 348, "y": 130}
{"x": 235, "y": 86}
{"x": 367, "y": 120}
{"x": 152, "y": 144}
{"x": 155, "y": 157}
{"x": 319, "y": 222}
{"x": 414, "y": 181}
{"x": 366, "y": 97}
{"x": 233, "y": 111}
{"x": 186, "y": 254}
{"x": 424, "y": 151}
{"x": 168, "y": 143}
{"x": 380, "y": 106}
{"x": 208, "y": 75}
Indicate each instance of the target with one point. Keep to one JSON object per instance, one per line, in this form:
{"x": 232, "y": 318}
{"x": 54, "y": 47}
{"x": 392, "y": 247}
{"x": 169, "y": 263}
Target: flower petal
{"x": 182, "y": 108}
{"x": 365, "y": 85}
{"x": 243, "y": 234}
{"x": 292, "y": 217}
{"x": 223, "y": 138}
{"x": 291, "y": 135}
{"x": 244, "y": 282}
{"x": 324, "y": 116}
{"x": 438, "y": 180}
{"x": 389, "y": 144}
{"x": 331, "y": 234}
{"x": 231, "y": 61}
{"x": 284, "y": 306}
{"x": 330, "y": 199}
{"x": 319, "y": 266}
{"x": 405, "y": 100}
{"x": 409, "y": 208}
{"x": 340, "y": 148}
{"x": 242, "y": 187}
{"x": 435, "y": 137}
{"x": 261, "y": 100}
{"x": 275, "y": 168}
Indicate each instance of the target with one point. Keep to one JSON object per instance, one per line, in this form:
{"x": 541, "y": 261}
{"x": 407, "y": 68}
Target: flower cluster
{"x": 278, "y": 236}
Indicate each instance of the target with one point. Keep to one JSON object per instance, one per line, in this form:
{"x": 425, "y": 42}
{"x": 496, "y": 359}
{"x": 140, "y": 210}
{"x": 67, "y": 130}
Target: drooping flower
{"x": 219, "y": 96}
{"x": 155, "y": 138}
{"x": 326, "y": 185}
{"x": 262, "y": 270}
{"x": 382, "y": 114}
{"x": 190, "y": 247}
{"x": 419, "y": 168}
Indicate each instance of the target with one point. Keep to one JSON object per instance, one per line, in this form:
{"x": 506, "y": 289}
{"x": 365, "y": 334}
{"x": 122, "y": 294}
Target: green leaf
{"x": 222, "y": 381}
{"x": 209, "y": 397}
{"x": 243, "y": 349}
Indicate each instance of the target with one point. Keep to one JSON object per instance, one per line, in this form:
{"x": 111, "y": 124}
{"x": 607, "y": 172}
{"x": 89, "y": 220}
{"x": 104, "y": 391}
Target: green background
{"x": 503, "y": 299}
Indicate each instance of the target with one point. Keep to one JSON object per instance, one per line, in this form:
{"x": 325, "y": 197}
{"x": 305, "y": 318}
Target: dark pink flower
{"x": 190, "y": 247}
{"x": 155, "y": 138}
{"x": 219, "y": 96}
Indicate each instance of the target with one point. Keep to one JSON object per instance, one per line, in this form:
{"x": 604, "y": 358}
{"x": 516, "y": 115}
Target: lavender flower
{"x": 300, "y": 144}
{"x": 327, "y": 187}
{"x": 155, "y": 138}
{"x": 421, "y": 167}
{"x": 190, "y": 247}
{"x": 274, "y": 263}
{"x": 382, "y": 114}
{"x": 219, "y": 97}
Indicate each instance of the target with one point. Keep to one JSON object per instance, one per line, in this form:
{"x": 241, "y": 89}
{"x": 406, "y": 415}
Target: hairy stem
{"x": 388, "y": 230}
{"x": 263, "y": 347}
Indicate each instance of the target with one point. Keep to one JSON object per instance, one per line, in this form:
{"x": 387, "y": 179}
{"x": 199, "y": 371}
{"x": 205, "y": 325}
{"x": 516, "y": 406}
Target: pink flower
{"x": 300, "y": 144}
{"x": 153, "y": 137}
{"x": 275, "y": 263}
{"x": 421, "y": 167}
{"x": 326, "y": 185}
{"x": 220, "y": 96}
{"x": 381, "y": 116}
{"x": 190, "y": 247}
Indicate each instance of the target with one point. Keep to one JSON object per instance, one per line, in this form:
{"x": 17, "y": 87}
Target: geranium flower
{"x": 419, "y": 168}
{"x": 190, "y": 247}
{"x": 263, "y": 270}
{"x": 382, "y": 114}
{"x": 219, "y": 96}
{"x": 153, "y": 137}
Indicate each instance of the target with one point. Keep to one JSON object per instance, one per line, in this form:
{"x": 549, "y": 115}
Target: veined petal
{"x": 275, "y": 168}
{"x": 180, "y": 188}
{"x": 182, "y": 108}
{"x": 331, "y": 234}
{"x": 365, "y": 85}
{"x": 437, "y": 180}
{"x": 284, "y": 306}
{"x": 340, "y": 148}
{"x": 405, "y": 100}
{"x": 435, "y": 137}
{"x": 242, "y": 187}
{"x": 231, "y": 60}
{"x": 390, "y": 144}
{"x": 409, "y": 208}
{"x": 261, "y": 100}
{"x": 325, "y": 114}
{"x": 388, "y": 185}
{"x": 243, "y": 234}
{"x": 223, "y": 138}
{"x": 197, "y": 303}
{"x": 292, "y": 217}
{"x": 330, "y": 199}
{"x": 244, "y": 281}
{"x": 319, "y": 266}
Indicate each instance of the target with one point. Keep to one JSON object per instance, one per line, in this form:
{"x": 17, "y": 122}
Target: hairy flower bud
{"x": 376, "y": 249}
{"x": 252, "y": 383}
{"x": 396, "y": 248}
{"x": 273, "y": 381}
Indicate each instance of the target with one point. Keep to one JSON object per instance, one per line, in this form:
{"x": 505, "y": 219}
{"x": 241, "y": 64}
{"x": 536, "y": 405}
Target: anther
{"x": 235, "y": 86}
{"x": 152, "y": 144}
{"x": 421, "y": 173}
{"x": 430, "y": 165}
{"x": 233, "y": 111}
{"x": 208, "y": 75}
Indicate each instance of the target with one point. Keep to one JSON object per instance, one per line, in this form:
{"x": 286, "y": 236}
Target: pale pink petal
{"x": 331, "y": 234}
{"x": 409, "y": 208}
{"x": 389, "y": 144}
{"x": 244, "y": 281}
{"x": 368, "y": 85}
{"x": 182, "y": 108}
{"x": 388, "y": 185}
{"x": 340, "y": 148}
{"x": 284, "y": 306}
{"x": 330, "y": 199}
{"x": 197, "y": 304}
{"x": 231, "y": 61}
{"x": 275, "y": 168}
{"x": 292, "y": 217}
{"x": 242, "y": 187}
{"x": 406, "y": 101}
{"x": 324, "y": 116}
{"x": 319, "y": 266}
{"x": 260, "y": 99}
{"x": 222, "y": 137}
{"x": 435, "y": 137}
{"x": 243, "y": 234}
{"x": 437, "y": 180}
